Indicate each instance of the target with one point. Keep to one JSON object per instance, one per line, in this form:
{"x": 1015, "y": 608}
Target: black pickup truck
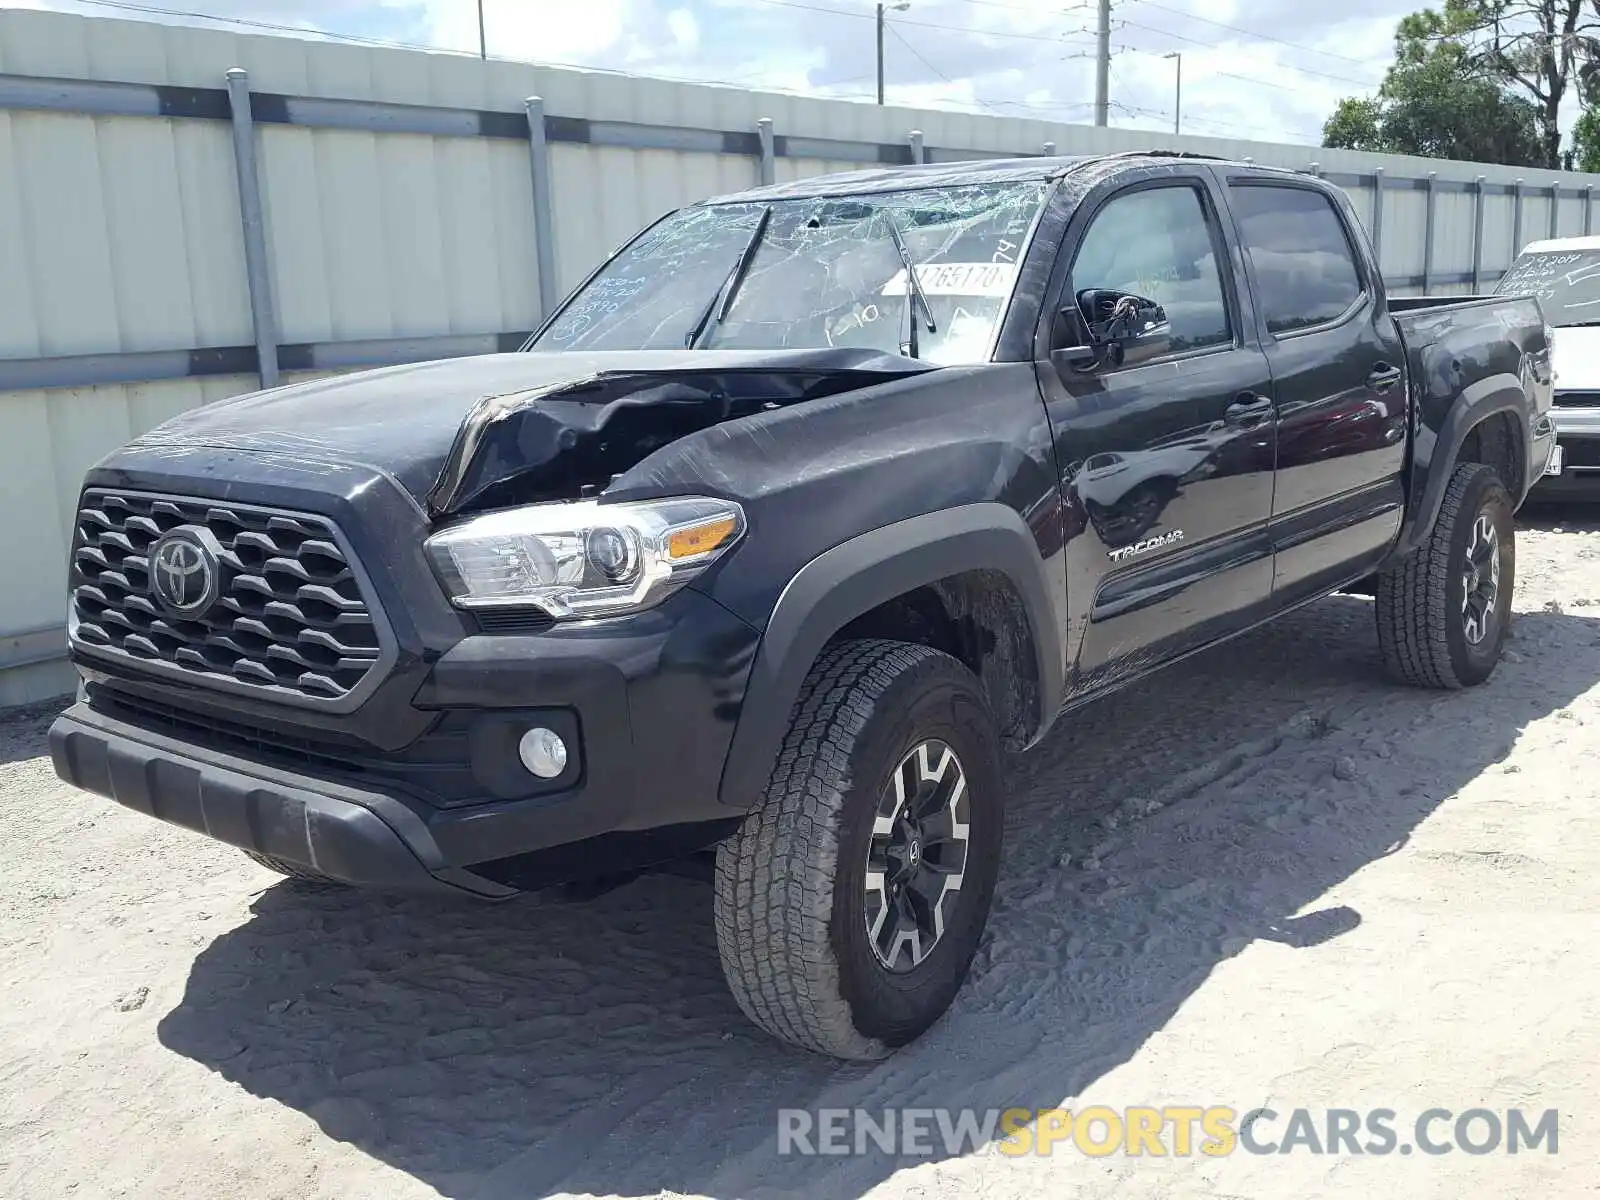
{"x": 805, "y": 506}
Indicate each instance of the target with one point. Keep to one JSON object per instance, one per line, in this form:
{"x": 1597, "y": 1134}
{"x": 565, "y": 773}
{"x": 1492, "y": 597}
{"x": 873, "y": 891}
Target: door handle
{"x": 1247, "y": 409}
{"x": 1383, "y": 377}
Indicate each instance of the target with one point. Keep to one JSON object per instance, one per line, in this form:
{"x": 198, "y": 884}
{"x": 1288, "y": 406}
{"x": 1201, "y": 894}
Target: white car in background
{"x": 1564, "y": 274}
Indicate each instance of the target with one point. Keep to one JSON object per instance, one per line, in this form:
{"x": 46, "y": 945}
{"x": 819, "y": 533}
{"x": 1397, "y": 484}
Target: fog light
{"x": 543, "y": 752}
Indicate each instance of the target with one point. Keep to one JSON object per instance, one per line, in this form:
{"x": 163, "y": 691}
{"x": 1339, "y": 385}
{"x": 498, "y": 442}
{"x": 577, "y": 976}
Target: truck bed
{"x": 1414, "y": 304}
{"x": 1461, "y": 345}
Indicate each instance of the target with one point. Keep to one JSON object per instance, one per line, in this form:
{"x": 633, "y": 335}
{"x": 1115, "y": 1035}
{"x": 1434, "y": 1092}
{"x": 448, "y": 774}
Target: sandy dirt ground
{"x": 1265, "y": 877}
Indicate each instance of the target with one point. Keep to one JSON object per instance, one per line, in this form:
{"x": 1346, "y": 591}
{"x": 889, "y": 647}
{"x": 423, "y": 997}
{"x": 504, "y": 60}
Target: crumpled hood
{"x": 509, "y": 428}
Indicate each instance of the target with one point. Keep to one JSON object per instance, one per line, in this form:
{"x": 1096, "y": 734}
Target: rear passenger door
{"x": 1166, "y": 458}
{"x": 1337, "y": 370}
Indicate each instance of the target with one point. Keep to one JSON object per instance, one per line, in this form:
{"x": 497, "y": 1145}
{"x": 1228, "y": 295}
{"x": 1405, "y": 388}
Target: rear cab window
{"x": 1300, "y": 254}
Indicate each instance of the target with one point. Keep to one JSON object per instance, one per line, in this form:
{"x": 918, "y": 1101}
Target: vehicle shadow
{"x": 24, "y": 728}
{"x": 521, "y": 1049}
{"x": 1557, "y": 516}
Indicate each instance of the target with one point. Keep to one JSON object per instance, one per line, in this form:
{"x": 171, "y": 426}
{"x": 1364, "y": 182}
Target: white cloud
{"x": 550, "y": 30}
{"x": 685, "y": 29}
{"x": 1275, "y": 75}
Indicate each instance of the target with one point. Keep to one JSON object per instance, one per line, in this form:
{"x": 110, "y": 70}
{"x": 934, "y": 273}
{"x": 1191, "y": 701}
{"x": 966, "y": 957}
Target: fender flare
{"x": 1434, "y": 450}
{"x": 855, "y": 577}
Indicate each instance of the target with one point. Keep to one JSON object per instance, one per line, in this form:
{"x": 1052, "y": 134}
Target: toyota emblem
{"x": 184, "y": 572}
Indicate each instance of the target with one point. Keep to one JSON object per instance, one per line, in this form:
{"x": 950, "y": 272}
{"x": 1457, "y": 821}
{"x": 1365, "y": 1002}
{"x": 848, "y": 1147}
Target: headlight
{"x": 583, "y": 559}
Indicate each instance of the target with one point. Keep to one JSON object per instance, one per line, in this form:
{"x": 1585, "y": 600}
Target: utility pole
{"x": 1102, "y": 66}
{"x": 483, "y": 41}
{"x": 1177, "y": 98}
{"x": 882, "y": 8}
{"x": 880, "y": 54}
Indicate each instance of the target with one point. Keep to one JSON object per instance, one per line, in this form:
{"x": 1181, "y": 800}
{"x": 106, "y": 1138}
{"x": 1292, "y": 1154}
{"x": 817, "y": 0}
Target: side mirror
{"x": 1122, "y": 329}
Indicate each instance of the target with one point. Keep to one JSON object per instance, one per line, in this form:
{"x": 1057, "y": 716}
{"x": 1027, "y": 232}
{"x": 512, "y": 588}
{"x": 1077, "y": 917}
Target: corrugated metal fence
{"x": 185, "y": 212}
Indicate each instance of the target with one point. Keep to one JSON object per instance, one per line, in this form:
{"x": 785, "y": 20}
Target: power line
{"x": 1216, "y": 46}
{"x": 248, "y": 23}
{"x": 738, "y": 81}
{"x": 1254, "y": 134}
{"x": 972, "y": 31}
{"x": 969, "y": 30}
{"x": 1252, "y": 33}
{"x": 917, "y": 54}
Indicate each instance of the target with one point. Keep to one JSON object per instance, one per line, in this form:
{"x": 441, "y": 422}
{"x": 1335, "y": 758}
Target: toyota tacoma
{"x": 802, "y": 509}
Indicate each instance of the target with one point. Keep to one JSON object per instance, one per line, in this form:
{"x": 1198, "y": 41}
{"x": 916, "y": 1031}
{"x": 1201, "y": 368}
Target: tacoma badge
{"x": 1144, "y": 547}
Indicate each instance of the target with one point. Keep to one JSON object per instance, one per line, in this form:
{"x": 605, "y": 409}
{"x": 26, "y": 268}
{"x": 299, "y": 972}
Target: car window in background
{"x": 1304, "y": 267}
{"x": 1565, "y": 282}
{"x": 1157, "y": 243}
{"x": 826, "y": 272}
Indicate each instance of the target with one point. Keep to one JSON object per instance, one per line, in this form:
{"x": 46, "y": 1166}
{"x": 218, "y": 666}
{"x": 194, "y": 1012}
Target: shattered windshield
{"x": 1565, "y": 282}
{"x": 825, "y": 271}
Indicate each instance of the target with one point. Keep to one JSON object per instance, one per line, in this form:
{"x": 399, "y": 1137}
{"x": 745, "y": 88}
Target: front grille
{"x": 1581, "y": 453}
{"x": 290, "y": 617}
{"x": 1577, "y": 400}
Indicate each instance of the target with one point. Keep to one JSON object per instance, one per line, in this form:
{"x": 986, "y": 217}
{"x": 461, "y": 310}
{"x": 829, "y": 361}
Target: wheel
{"x": 1444, "y": 611}
{"x": 851, "y": 901}
{"x": 292, "y": 870}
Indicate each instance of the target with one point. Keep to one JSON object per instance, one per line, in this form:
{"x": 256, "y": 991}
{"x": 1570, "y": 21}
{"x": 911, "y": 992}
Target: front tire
{"x": 850, "y": 903}
{"x": 1445, "y": 610}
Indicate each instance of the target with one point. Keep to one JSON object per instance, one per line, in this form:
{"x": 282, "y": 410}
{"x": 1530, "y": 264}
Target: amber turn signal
{"x": 700, "y": 539}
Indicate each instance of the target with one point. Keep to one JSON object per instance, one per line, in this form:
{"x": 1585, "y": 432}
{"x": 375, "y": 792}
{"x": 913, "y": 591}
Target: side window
{"x": 1157, "y": 243}
{"x": 1304, "y": 266}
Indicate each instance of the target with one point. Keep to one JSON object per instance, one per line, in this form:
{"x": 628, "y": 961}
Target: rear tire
{"x": 888, "y": 787}
{"x": 292, "y": 870}
{"x": 1445, "y": 610}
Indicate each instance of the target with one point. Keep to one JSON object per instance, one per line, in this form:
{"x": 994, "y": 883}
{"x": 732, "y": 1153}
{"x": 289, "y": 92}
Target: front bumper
{"x": 650, "y": 703}
{"x": 1578, "y": 434}
{"x": 356, "y": 836}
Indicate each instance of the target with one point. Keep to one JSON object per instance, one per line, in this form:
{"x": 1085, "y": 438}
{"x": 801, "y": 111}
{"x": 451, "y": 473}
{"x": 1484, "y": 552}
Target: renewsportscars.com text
{"x": 1177, "y": 1131}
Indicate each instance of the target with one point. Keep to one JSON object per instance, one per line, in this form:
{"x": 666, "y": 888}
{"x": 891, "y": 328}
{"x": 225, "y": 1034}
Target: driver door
{"x": 1167, "y": 452}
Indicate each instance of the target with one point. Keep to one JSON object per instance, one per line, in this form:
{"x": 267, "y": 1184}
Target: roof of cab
{"x": 952, "y": 174}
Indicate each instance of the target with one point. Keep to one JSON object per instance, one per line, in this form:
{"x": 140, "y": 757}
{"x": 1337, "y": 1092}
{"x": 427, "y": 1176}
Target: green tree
{"x": 1436, "y": 102}
{"x": 1586, "y": 142}
{"x": 1541, "y": 49}
{"x": 1357, "y": 124}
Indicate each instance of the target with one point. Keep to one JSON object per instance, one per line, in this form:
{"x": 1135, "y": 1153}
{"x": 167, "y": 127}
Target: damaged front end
{"x": 569, "y": 441}
{"x": 533, "y": 466}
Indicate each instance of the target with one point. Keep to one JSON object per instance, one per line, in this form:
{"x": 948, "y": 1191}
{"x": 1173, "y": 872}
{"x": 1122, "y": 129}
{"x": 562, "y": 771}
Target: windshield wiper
{"x": 1589, "y": 324}
{"x": 706, "y": 326}
{"x": 914, "y": 292}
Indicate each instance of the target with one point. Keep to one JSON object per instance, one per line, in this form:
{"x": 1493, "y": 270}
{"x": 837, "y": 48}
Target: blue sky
{"x": 1268, "y": 69}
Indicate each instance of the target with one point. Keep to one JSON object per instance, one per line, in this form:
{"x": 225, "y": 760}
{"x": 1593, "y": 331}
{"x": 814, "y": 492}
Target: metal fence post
{"x": 1427, "y": 233}
{"x": 258, "y": 277}
{"x": 1588, "y": 209}
{"x": 1477, "y": 234}
{"x": 918, "y": 153}
{"x": 769, "y": 162}
{"x": 1516, "y": 220}
{"x": 544, "y": 238}
{"x": 1377, "y": 216}
{"x": 1555, "y": 210}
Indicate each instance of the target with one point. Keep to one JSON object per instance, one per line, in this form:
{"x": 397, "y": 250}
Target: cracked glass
{"x": 1565, "y": 282}
{"x": 826, "y": 271}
